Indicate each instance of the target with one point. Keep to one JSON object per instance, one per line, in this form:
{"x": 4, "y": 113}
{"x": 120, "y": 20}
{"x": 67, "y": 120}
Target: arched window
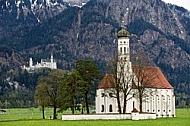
{"x": 102, "y": 108}
{"x": 158, "y": 103}
{"x": 163, "y": 103}
{"x": 124, "y": 50}
{"x": 110, "y": 108}
{"x": 169, "y": 103}
{"x": 121, "y": 50}
{"x": 103, "y": 95}
{"x": 147, "y": 104}
{"x": 111, "y": 95}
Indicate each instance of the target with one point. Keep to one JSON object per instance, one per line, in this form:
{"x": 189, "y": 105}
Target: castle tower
{"x": 51, "y": 58}
{"x": 30, "y": 63}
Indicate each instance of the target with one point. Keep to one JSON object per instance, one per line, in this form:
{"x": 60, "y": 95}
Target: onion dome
{"x": 123, "y": 33}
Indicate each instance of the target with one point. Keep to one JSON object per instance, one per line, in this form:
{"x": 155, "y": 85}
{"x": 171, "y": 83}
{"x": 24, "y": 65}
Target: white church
{"x": 159, "y": 99}
{"x": 45, "y": 63}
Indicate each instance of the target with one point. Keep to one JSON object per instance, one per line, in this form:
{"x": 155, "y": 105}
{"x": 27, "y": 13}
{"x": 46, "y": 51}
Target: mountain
{"x": 69, "y": 32}
{"x": 18, "y": 13}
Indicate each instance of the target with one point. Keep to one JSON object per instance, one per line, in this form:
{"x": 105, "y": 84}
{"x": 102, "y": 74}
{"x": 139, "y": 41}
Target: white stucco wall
{"x": 133, "y": 116}
{"x": 107, "y": 101}
{"x": 97, "y": 117}
{"x": 159, "y": 101}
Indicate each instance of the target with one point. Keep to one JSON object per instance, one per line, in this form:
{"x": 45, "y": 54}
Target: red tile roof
{"x": 155, "y": 77}
{"x": 107, "y": 82}
{"x": 158, "y": 81}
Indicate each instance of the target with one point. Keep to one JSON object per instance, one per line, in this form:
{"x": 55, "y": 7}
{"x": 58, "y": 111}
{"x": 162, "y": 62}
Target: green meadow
{"x": 32, "y": 117}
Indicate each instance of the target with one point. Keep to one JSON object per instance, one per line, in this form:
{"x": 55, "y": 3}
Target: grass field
{"x": 32, "y": 117}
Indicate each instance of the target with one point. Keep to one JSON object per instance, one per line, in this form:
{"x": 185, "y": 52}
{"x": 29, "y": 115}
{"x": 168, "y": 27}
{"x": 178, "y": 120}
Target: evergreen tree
{"x": 71, "y": 90}
{"x": 89, "y": 72}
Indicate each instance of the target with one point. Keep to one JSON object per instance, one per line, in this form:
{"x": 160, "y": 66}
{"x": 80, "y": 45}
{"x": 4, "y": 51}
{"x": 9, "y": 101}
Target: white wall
{"x": 160, "y": 101}
{"x": 107, "y": 101}
{"x": 164, "y": 102}
{"x": 133, "y": 116}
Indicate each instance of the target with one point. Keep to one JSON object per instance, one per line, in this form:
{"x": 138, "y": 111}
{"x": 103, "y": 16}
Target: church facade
{"x": 159, "y": 98}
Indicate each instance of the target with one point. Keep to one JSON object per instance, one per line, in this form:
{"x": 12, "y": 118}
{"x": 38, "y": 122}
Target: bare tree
{"x": 122, "y": 72}
{"x": 112, "y": 69}
{"x": 144, "y": 76}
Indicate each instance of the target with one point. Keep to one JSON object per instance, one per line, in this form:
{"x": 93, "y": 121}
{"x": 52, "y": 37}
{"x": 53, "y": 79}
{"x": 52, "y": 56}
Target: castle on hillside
{"x": 45, "y": 63}
{"x": 159, "y": 98}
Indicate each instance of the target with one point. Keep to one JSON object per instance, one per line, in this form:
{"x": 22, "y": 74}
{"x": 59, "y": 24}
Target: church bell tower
{"x": 123, "y": 45}
{"x": 124, "y": 63}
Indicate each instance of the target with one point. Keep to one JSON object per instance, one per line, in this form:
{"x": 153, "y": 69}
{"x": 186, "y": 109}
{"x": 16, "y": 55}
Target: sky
{"x": 183, "y": 3}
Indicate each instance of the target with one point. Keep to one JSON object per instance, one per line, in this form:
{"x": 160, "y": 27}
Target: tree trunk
{"x": 140, "y": 100}
{"x": 54, "y": 112}
{"x": 125, "y": 103}
{"x": 43, "y": 114}
{"x": 86, "y": 100}
{"x": 73, "y": 110}
{"x": 73, "y": 107}
{"x": 118, "y": 102}
{"x": 82, "y": 112}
